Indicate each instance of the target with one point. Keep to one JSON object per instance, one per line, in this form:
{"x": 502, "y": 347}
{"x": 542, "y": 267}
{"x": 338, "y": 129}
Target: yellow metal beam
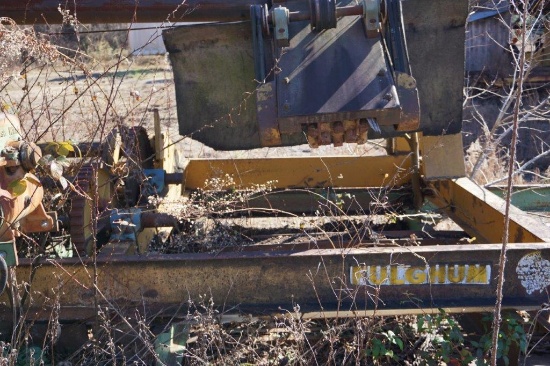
{"x": 303, "y": 172}
{"x": 481, "y": 213}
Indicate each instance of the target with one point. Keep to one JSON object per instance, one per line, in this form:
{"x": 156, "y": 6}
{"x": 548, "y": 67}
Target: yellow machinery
{"x": 287, "y": 73}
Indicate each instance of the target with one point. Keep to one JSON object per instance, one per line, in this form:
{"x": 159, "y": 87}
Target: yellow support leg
{"x": 481, "y": 213}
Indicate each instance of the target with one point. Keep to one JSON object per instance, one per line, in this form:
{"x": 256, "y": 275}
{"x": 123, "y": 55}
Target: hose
{"x": 3, "y": 274}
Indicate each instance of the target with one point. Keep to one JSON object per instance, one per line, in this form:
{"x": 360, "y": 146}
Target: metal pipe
{"x": 345, "y": 11}
{"x": 157, "y": 219}
{"x": 126, "y": 11}
{"x": 296, "y": 16}
{"x": 173, "y": 178}
{"x": 106, "y": 11}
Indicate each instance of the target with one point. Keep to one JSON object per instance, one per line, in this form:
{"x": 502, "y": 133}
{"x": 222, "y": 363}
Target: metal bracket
{"x": 280, "y": 17}
{"x": 170, "y": 346}
{"x": 371, "y": 16}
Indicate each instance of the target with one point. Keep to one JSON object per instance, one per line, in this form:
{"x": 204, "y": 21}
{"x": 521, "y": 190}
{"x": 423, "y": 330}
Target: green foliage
{"x": 383, "y": 348}
{"x": 443, "y": 339}
{"x": 511, "y": 332}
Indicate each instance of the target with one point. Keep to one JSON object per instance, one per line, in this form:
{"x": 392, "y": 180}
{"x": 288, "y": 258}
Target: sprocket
{"x": 91, "y": 199}
{"x": 128, "y": 151}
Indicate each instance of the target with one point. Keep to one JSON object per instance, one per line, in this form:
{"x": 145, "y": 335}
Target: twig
{"x": 497, "y": 318}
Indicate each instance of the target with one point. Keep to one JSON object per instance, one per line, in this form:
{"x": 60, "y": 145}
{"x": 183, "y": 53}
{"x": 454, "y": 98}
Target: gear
{"x": 91, "y": 199}
{"x": 125, "y": 153}
{"x": 139, "y": 153}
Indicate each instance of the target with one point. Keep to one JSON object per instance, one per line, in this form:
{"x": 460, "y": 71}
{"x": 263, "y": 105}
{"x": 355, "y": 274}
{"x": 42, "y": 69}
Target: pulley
{"x": 323, "y": 14}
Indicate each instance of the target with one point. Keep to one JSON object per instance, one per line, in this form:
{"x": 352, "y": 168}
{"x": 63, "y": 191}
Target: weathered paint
{"x": 534, "y": 272}
{"x": 303, "y": 172}
{"x": 438, "y": 274}
{"x": 269, "y": 280}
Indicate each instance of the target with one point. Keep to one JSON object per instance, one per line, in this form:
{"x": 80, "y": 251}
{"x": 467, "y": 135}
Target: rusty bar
{"x": 349, "y": 10}
{"x": 343, "y": 11}
{"x": 337, "y": 241}
{"x": 295, "y": 16}
{"x": 157, "y": 219}
{"x": 125, "y": 11}
{"x": 460, "y": 275}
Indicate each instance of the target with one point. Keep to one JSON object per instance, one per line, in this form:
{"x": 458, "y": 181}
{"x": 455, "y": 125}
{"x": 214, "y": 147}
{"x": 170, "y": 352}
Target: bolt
{"x": 287, "y": 80}
{"x": 286, "y": 107}
{"x": 337, "y": 127}
{"x": 281, "y": 30}
{"x": 382, "y": 72}
{"x": 388, "y": 97}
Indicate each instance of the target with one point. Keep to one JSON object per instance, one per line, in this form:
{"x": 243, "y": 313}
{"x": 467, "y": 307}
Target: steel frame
{"x": 265, "y": 282}
{"x": 314, "y": 276}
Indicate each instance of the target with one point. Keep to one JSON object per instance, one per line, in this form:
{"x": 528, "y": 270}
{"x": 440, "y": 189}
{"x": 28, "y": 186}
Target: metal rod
{"x": 349, "y": 10}
{"x": 108, "y": 11}
{"x": 296, "y": 16}
{"x": 156, "y": 219}
{"x": 173, "y": 178}
{"x": 105, "y": 11}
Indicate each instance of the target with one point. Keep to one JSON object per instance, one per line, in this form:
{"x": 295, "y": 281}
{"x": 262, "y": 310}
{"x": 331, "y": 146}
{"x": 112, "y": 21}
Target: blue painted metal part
{"x": 125, "y": 224}
{"x": 154, "y": 185}
{"x": 483, "y": 14}
{"x": 280, "y": 17}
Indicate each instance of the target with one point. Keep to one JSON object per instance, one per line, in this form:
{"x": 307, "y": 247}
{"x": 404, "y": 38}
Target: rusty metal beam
{"x": 481, "y": 213}
{"x": 332, "y": 279}
{"x": 108, "y": 11}
{"x": 302, "y": 172}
